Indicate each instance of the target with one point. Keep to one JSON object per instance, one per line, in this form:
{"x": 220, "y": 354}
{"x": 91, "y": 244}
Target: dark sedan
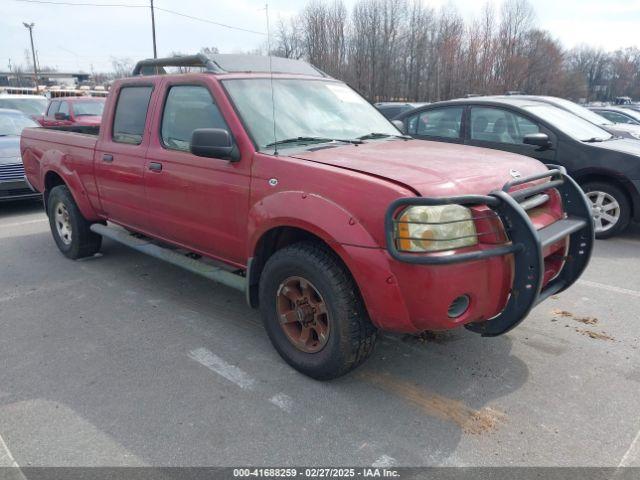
{"x": 13, "y": 185}
{"x": 607, "y": 168}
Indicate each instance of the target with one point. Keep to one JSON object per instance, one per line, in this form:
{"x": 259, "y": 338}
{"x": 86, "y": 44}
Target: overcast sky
{"x": 82, "y": 37}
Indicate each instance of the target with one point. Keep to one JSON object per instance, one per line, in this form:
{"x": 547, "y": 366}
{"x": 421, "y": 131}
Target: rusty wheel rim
{"x": 303, "y": 314}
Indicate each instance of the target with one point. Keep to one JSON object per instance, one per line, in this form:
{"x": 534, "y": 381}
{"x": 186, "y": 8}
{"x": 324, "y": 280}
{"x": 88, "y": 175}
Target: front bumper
{"x": 526, "y": 245}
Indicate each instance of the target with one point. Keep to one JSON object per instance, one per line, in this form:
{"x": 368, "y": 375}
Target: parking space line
{"x": 45, "y": 289}
{"x": 218, "y": 365}
{"x": 631, "y": 452}
{"x": 609, "y": 288}
{"x": 4, "y": 450}
{"x": 26, "y": 222}
{"x": 384, "y": 461}
{"x": 283, "y": 402}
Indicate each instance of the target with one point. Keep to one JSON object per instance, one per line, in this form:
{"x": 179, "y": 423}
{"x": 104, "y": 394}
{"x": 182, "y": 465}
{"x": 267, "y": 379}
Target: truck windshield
{"x": 91, "y": 108}
{"x": 304, "y": 109}
{"x": 570, "y": 124}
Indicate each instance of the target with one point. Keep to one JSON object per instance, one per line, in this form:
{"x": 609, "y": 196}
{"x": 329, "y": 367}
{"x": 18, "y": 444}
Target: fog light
{"x": 458, "y": 306}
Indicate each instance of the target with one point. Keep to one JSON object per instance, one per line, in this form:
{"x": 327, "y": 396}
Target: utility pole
{"x": 153, "y": 31}
{"x": 30, "y": 26}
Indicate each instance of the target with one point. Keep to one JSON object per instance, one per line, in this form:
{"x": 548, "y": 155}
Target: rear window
{"x": 131, "y": 114}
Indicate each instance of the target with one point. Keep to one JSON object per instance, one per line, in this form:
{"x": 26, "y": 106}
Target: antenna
{"x": 273, "y": 102}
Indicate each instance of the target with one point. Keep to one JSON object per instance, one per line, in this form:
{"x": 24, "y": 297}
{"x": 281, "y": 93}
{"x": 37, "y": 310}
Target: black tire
{"x": 351, "y": 336}
{"x": 81, "y": 242}
{"x": 619, "y": 195}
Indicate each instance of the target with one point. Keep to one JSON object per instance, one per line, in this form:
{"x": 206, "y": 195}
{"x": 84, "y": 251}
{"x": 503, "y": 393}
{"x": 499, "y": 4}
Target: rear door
{"x": 443, "y": 124}
{"x": 198, "y": 202}
{"x": 503, "y": 129}
{"x": 120, "y": 156}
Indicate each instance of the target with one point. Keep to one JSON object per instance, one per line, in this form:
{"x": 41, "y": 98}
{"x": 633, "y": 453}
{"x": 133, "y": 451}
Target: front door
{"x": 197, "y": 202}
{"x": 120, "y": 157}
{"x": 502, "y": 129}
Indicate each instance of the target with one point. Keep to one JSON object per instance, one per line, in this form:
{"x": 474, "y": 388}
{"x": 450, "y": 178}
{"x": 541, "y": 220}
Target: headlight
{"x": 432, "y": 229}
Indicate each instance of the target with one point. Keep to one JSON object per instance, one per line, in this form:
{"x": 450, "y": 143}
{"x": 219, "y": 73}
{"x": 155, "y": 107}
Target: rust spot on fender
{"x": 471, "y": 421}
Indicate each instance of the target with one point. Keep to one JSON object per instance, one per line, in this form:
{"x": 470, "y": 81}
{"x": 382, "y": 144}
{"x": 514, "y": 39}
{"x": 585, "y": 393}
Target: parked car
{"x": 392, "y": 109}
{"x": 618, "y": 114}
{"x": 607, "y": 168}
{"x": 13, "y": 185}
{"x": 74, "y": 111}
{"x": 32, "y": 105}
{"x": 332, "y": 223}
{"x": 615, "y": 129}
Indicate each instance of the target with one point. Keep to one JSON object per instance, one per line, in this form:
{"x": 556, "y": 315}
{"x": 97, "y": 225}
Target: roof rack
{"x": 155, "y": 66}
{"x": 228, "y": 63}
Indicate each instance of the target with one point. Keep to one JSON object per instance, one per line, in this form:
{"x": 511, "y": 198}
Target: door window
{"x": 500, "y": 126}
{"x": 187, "y": 108}
{"x": 64, "y": 108}
{"x": 441, "y": 122}
{"x": 53, "y": 108}
{"x": 131, "y": 114}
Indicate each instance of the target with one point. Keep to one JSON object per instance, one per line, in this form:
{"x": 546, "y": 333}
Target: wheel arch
{"x": 279, "y": 237}
{"x": 55, "y": 176}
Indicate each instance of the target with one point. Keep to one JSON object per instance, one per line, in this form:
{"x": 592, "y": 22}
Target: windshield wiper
{"x": 374, "y": 135}
{"x": 594, "y": 140}
{"x": 310, "y": 140}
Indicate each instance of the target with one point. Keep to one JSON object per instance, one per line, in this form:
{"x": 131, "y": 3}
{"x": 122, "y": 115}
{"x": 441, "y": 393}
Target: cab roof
{"x": 228, "y": 63}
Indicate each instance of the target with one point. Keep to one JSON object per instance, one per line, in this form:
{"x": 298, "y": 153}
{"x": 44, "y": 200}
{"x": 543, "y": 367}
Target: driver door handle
{"x": 107, "y": 157}
{"x": 155, "y": 166}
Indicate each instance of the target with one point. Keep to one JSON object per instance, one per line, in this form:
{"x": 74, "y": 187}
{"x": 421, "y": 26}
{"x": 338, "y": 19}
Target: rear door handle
{"x": 155, "y": 166}
{"x": 107, "y": 158}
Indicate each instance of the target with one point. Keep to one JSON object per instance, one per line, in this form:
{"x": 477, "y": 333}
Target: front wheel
{"x": 69, "y": 228}
{"x": 313, "y": 312}
{"x": 610, "y": 208}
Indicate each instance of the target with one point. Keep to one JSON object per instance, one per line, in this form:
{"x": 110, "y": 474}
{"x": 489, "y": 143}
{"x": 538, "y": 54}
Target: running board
{"x": 146, "y": 246}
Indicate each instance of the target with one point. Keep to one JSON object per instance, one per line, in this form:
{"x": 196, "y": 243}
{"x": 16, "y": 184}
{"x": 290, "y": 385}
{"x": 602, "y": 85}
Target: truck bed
{"x": 60, "y": 147}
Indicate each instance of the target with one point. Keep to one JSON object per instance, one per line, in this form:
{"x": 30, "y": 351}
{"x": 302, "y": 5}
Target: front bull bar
{"x": 526, "y": 243}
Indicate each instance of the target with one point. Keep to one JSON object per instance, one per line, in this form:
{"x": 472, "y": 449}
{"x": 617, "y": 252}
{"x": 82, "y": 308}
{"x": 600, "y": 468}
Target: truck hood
{"x": 429, "y": 168}
{"x": 10, "y": 150}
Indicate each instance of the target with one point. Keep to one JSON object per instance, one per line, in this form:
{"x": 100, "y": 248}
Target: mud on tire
{"x": 351, "y": 335}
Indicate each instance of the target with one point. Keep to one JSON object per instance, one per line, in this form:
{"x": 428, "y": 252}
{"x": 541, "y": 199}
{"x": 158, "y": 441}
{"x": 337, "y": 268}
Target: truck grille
{"x": 11, "y": 172}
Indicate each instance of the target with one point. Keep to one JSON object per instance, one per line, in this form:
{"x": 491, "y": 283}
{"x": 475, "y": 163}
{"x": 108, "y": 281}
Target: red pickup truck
{"x": 283, "y": 182}
{"x": 67, "y": 111}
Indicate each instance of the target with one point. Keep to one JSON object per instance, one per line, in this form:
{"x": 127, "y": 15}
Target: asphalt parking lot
{"x": 124, "y": 360}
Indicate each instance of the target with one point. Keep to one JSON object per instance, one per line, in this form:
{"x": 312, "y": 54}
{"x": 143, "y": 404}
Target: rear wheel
{"x": 69, "y": 228}
{"x": 313, "y": 312}
{"x": 610, "y": 208}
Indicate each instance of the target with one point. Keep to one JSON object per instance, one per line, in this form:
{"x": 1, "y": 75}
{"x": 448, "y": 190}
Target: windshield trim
{"x": 223, "y": 83}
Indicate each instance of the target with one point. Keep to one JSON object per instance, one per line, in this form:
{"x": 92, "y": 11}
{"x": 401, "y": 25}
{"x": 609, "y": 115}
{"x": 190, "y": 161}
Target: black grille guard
{"x": 526, "y": 243}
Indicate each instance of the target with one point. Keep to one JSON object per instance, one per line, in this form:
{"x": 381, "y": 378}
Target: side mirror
{"x": 538, "y": 140}
{"x": 399, "y": 124}
{"x": 214, "y": 143}
{"x": 61, "y": 116}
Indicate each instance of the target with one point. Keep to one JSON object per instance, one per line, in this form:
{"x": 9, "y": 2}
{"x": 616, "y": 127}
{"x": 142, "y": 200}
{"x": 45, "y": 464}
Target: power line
{"x": 126, "y": 5}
